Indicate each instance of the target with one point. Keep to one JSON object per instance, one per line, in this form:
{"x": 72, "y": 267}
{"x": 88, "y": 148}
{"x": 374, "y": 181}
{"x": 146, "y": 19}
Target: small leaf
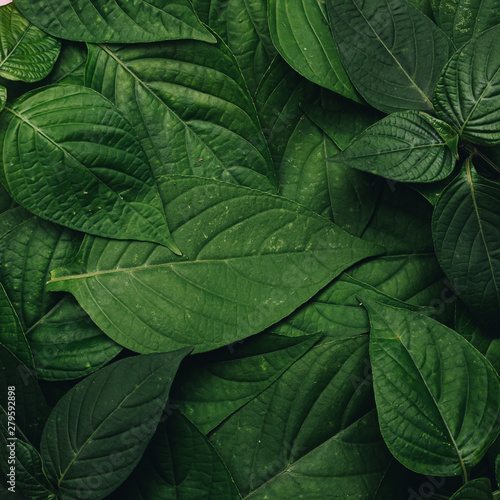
{"x": 303, "y": 38}
{"x": 467, "y": 94}
{"x": 392, "y": 52}
{"x": 70, "y": 66}
{"x": 438, "y": 399}
{"x": 466, "y": 233}
{"x": 3, "y": 97}
{"x": 103, "y": 21}
{"x": 89, "y": 164}
{"x": 167, "y": 471}
{"x": 445, "y": 131}
{"x": 402, "y": 147}
{"x": 26, "y": 53}
{"x": 99, "y": 429}
{"x": 477, "y": 489}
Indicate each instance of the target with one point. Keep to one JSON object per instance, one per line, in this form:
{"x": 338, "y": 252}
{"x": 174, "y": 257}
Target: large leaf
{"x": 402, "y": 147}
{"x": 250, "y": 259}
{"x": 438, "y": 398}
{"x": 392, "y": 52}
{"x": 310, "y": 432}
{"x": 26, "y": 53}
{"x": 88, "y": 164}
{"x": 116, "y": 21}
{"x": 214, "y": 385}
{"x": 477, "y": 489}
{"x": 302, "y": 36}
{"x": 98, "y": 431}
{"x": 466, "y": 233}
{"x": 467, "y": 94}
{"x": 463, "y": 19}
{"x": 167, "y": 472}
{"x": 189, "y": 106}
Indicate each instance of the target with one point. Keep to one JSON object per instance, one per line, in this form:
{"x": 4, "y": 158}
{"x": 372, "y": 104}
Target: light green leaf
{"x": 99, "y": 429}
{"x": 214, "y": 385}
{"x": 461, "y": 20}
{"x": 392, "y": 52}
{"x": 301, "y": 33}
{"x": 66, "y": 344}
{"x": 107, "y": 21}
{"x": 70, "y": 66}
{"x": 438, "y": 398}
{"x": 89, "y": 164}
{"x": 311, "y": 432}
{"x": 250, "y": 258}
{"x": 244, "y": 28}
{"x": 477, "y": 489}
{"x": 467, "y": 94}
{"x": 402, "y": 147}
{"x": 466, "y": 234}
{"x": 190, "y": 109}
{"x": 26, "y": 53}
{"x": 3, "y": 97}
{"x": 166, "y": 471}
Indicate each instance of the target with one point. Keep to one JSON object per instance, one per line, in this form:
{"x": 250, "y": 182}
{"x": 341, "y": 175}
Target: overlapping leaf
{"x": 3, "y": 97}
{"x": 26, "y": 53}
{"x": 98, "y": 431}
{"x": 70, "y": 66}
{"x": 467, "y": 94}
{"x": 392, "y": 52}
{"x": 250, "y": 259}
{"x": 477, "y": 489}
{"x": 81, "y": 154}
{"x": 116, "y": 22}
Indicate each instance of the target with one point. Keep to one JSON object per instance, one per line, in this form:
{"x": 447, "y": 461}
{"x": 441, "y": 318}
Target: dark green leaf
{"x": 477, "y": 489}
{"x": 26, "y": 53}
{"x": 301, "y": 33}
{"x": 167, "y": 472}
{"x": 311, "y": 432}
{"x": 70, "y": 66}
{"x": 190, "y": 109}
{"x": 3, "y": 97}
{"x": 467, "y": 94}
{"x": 103, "y": 21}
{"x": 98, "y": 431}
{"x": 250, "y": 258}
{"x": 466, "y": 234}
{"x": 213, "y": 386}
{"x": 392, "y": 52}
{"x": 438, "y": 399}
{"x": 402, "y": 147}
{"x": 89, "y": 164}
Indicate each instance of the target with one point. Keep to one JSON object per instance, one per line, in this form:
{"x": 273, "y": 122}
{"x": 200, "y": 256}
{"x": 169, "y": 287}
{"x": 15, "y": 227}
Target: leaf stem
{"x": 473, "y": 151}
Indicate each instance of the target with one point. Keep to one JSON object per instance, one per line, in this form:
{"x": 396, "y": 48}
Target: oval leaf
{"x": 467, "y": 94}
{"x": 82, "y": 155}
{"x": 466, "y": 232}
{"x": 438, "y": 398}
{"x": 303, "y": 38}
{"x": 477, "y": 489}
{"x": 26, "y": 53}
{"x": 99, "y": 429}
{"x": 250, "y": 258}
{"x": 392, "y": 52}
{"x": 402, "y": 147}
{"x": 121, "y": 21}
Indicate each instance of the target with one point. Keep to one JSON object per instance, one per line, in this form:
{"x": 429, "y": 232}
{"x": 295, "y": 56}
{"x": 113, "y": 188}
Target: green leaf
{"x": 302, "y": 36}
{"x": 98, "y": 431}
{"x": 166, "y": 471}
{"x": 3, "y": 97}
{"x": 26, "y": 53}
{"x": 244, "y": 27}
{"x": 438, "y": 399}
{"x": 107, "y": 21}
{"x": 90, "y": 165}
{"x": 190, "y": 109}
{"x": 311, "y": 432}
{"x": 467, "y": 94}
{"x": 477, "y": 489}
{"x": 11, "y": 332}
{"x": 70, "y": 66}
{"x": 66, "y": 344}
{"x": 214, "y": 385}
{"x": 250, "y": 258}
{"x": 466, "y": 231}
{"x": 402, "y": 147}
{"x": 461, "y": 20}
{"x": 445, "y": 131}
{"x": 392, "y": 52}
